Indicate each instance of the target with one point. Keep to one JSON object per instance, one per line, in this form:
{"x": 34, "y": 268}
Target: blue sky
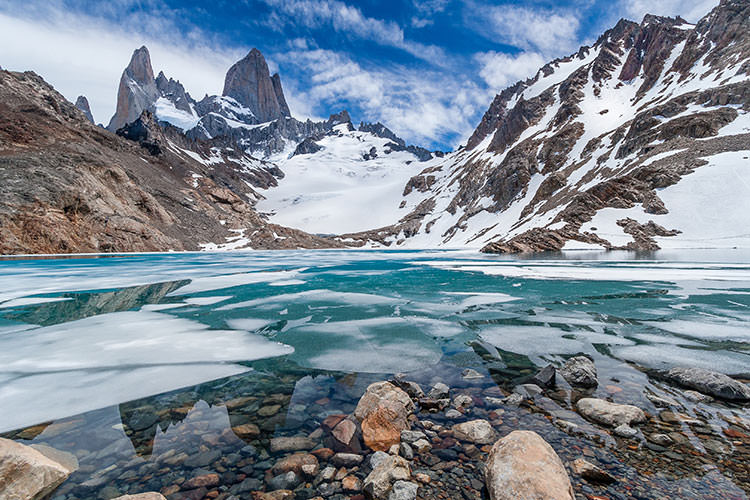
{"x": 427, "y": 69}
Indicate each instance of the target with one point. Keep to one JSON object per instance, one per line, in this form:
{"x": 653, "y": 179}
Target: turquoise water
{"x": 86, "y": 343}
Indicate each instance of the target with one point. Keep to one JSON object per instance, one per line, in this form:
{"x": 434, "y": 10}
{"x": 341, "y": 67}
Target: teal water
{"x": 87, "y": 343}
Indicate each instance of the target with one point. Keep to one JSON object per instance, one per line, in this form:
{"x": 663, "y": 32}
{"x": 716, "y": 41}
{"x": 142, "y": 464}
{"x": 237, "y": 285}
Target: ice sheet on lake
{"x": 69, "y": 368}
{"x": 738, "y": 331}
{"x": 376, "y": 345}
{"x": 222, "y": 281}
{"x": 536, "y": 342}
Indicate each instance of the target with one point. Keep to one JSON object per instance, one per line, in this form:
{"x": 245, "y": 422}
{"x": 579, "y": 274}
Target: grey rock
{"x": 453, "y": 414}
{"x": 346, "y": 459}
{"x": 544, "y": 377}
{"x": 528, "y": 390}
{"x": 403, "y": 490}
{"x": 710, "y": 382}
{"x": 625, "y": 431}
{"x": 294, "y": 443}
{"x": 611, "y": 414}
{"x": 439, "y": 391}
{"x": 406, "y": 451}
{"x": 287, "y": 481}
{"x": 475, "y": 431}
{"x": 580, "y": 371}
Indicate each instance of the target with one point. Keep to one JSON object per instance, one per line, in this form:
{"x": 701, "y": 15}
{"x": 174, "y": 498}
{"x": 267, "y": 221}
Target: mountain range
{"x": 640, "y": 141}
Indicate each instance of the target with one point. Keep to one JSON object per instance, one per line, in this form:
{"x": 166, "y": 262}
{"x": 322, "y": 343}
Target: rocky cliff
{"x": 249, "y": 83}
{"x": 639, "y": 141}
{"x": 137, "y": 91}
{"x": 67, "y": 185}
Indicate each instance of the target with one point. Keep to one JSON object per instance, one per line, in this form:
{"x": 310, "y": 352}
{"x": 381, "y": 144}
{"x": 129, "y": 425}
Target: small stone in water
{"x": 439, "y": 391}
{"x": 453, "y": 414}
{"x": 624, "y": 430}
{"x": 470, "y": 374}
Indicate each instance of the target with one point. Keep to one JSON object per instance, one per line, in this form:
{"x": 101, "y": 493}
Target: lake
{"x": 150, "y": 368}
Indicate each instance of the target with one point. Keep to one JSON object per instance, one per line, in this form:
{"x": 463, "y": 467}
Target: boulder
{"x": 26, "y": 473}
{"x": 475, "y": 431}
{"x": 383, "y": 411}
{"x": 382, "y": 428}
{"x": 522, "y": 466}
{"x": 389, "y": 469}
{"x": 580, "y": 371}
{"x": 384, "y": 395}
{"x": 710, "y": 382}
{"x": 611, "y": 414}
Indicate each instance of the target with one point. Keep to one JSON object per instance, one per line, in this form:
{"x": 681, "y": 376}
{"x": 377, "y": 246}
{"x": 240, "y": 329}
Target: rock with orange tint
{"x": 382, "y": 428}
{"x": 523, "y": 466}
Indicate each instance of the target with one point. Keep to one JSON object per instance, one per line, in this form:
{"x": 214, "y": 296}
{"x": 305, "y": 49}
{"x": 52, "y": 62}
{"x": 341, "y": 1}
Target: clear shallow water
{"x": 88, "y": 343}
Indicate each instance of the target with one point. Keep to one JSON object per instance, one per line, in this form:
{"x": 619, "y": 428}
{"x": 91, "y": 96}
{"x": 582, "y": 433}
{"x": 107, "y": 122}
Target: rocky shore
{"x": 464, "y": 437}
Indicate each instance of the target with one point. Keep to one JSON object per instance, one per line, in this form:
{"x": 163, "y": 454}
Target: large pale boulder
{"x": 27, "y": 474}
{"x": 710, "y": 382}
{"x": 522, "y": 466}
{"x": 611, "y": 414}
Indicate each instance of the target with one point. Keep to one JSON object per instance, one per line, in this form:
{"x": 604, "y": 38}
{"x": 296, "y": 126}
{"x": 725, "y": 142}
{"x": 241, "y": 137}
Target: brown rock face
{"x": 137, "y": 91}
{"x": 249, "y": 82}
{"x": 522, "y": 466}
{"x": 382, "y": 428}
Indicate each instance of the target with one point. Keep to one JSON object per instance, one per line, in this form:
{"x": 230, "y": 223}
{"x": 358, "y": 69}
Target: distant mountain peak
{"x": 137, "y": 91}
{"x": 249, "y": 82}
{"x": 83, "y": 105}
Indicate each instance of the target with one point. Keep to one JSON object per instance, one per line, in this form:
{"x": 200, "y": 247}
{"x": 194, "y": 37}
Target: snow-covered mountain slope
{"x": 346, "y": 181}
{"x": 639, "y": 141}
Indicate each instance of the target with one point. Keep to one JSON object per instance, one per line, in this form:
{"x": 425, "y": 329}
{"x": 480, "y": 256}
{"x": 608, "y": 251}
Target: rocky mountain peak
{"x": 137, "y": 91}
{"x": 140, "y": 69}
{"x": 83, "y": 104}
{"x": 249, "y": 82}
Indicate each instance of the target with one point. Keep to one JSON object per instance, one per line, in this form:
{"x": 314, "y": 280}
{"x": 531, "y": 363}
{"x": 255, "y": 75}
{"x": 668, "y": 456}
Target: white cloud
{"x": 422, "y": 107}
{"x": 499, "y": 70}
{"x": 83, "y": 55}
{"x": 350, "y": 20}
{"x": 543, "y": 30}
{"x": 691, "y": 10}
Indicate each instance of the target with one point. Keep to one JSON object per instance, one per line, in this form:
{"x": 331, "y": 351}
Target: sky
{"x": 426, "y": 69}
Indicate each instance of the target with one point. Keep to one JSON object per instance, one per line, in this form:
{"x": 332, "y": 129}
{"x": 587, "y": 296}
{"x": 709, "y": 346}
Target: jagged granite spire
{"x": 137, "y": 90}
{"x": 83, "y": 105}
{"x": 249, "y": 82}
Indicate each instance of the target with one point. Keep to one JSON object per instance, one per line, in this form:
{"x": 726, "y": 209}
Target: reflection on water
{"x": 159, "y": 368}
